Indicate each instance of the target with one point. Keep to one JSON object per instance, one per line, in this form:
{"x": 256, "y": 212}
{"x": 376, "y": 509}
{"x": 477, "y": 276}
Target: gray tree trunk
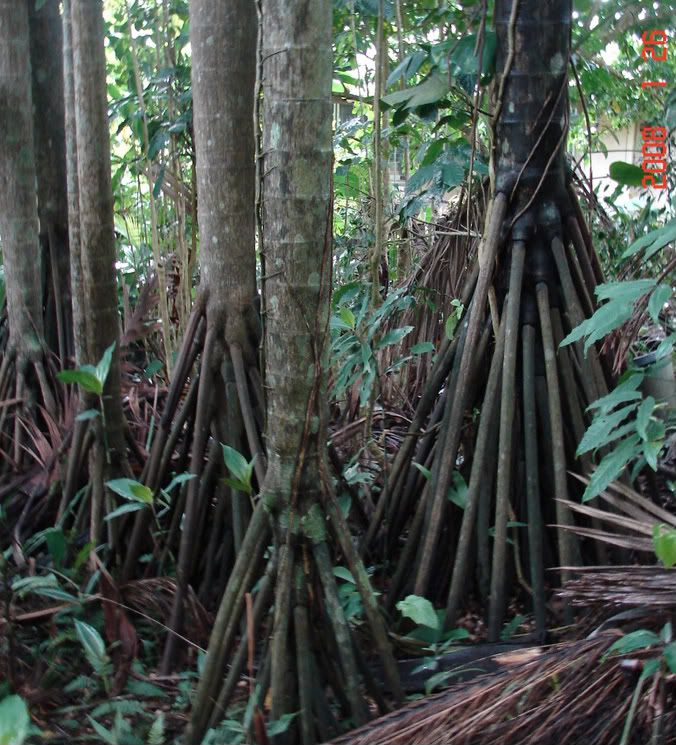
{"x": 97, "y": 239}
{"x": 46, "y": 41}
{"x": 18, "y": 206}
{"x": 223, "y": 39}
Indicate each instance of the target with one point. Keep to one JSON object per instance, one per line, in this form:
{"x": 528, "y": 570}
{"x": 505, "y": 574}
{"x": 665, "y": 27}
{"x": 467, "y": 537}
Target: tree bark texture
{"x": 97, "y": 238}
{"x": 18, "y": 204}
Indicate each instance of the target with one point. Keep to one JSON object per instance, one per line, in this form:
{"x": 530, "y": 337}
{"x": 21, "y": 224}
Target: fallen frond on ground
{"x": 574, "y": 693}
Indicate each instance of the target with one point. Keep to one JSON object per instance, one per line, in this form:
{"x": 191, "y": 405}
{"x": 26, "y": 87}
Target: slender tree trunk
{"x": 50, "y": 148}
{"x": 223, "y": 39}
{"x": 99, "y": 302}
{"x": 18, "y": 207}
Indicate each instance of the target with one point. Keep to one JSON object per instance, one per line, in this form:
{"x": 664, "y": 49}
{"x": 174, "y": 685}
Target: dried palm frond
{"x": 570, "y": 695}
{"x": 632, "y": 513}
{"x": 652, "y": 587}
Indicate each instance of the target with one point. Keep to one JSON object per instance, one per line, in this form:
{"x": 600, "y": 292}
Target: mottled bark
{"x": 18, "y": 207}
{"x": 97, "y": 239}
{"x": 72, "y": 191}
{"x": 223, "y": 39}
{"x": 46, "y": 54}
{"x": 297, "y": 227}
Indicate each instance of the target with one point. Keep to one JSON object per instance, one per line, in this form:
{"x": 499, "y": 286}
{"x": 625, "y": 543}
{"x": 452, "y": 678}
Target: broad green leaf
{"x": 639, "y": 639}
{"x": 130, "y": 489}
{"x": 46, "y": 586}
{"x": 278, "y": 726}
{"x": 643, "y": 415}
{"x": 658, "y": 299}
{"x": 628, "y": 291}
{"x": 237, "y": 464}
{"x": 626, "y": 174}
{"x": 664, "y": 543}
{"x": 179, "y": 479}
{"x": 457, "y": 492}
{"x": 407, "y": 68}
{"x": 394, "y": 336}
{"x": 653, "y": 241}
{"x": 124, "y": 509}
{"x": 93, "y": 645}
{"x": 422, "y": 347}
{"x": 56, "y": 545}
{"x": 103, "y": 368}
{"x": 86, "y": 379}
{"x": 343, "y": 573}
{"x": 599, "y": 431}
{"x": 14, "y": 720}
{"x": 347, "y": 316}
{"x": 625, "y": 391}
{"x": 669, "y": 654}
{"x": 425, "y": 471}
{"x": 611, "y": 467}
{"x": 419, "y": 610}
{"x": 432, "y": 90}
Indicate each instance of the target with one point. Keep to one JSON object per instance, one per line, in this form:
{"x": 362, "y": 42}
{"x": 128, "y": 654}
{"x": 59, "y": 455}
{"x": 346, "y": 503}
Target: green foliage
{"x": 419, "y": 610}
{"x": 664, "y": 542}
{"x": 241, "y": 470}
{"x": 358, "y": 335}
{"x": 14, "y": 721}
{"x": 626, "y": 174}
{"x": 137, "y": 494}
{"x": 89, "y": 377}
{"x": 94, "y": 647}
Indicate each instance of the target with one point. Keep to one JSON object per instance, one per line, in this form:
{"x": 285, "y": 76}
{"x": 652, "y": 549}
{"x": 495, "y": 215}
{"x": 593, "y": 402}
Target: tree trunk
{"x": 18, "y": 208}
{"x": 97, "y": 238}
{"x": 223, "y": 40}
{"x": 297, "y": 491}
{"x": 530, "y": 258}
{"x": 46, "y": 55}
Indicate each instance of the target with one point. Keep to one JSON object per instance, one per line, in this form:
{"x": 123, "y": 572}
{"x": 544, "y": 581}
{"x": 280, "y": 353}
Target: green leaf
{"x": 347, "y": 316}
{"x": 343, "y": 573}
{"x": 103, "y": 368}
{"x": 88, "y": 414}
{"x": 394, "y": 336}
{"x": 422, "y": 347}
{"x": 611, "y": 467}
{"x": 450, "y": 326}
{"x": 237, "y": 464}
{"x": 179, "y": 479}
{"x": 46, "y": 586}
{"x": 278, "y": 726}
{"x": 124, "y": 509}
{"x": 56, "y": 545}
{"x": 457, "y": 492}
{"x": 85, "y": 378}
{"x": 434, "y": 89}
{"x": 639, "y": 639}
{"x": 626, "y": 174}
{"x": 669, "y": 654}
{"x": 658, "y": 299}
{"x": 130, "y": 489}
{"x": 407, "y": 68}
{"x": 105, "y": 734}
{"x": 653, "y": 241}
{"x": 156, "y": 733}
{"x": 93, "y": 645}
{"x": 599, "y": 431}
{"x": 425, "y": 471}
{"x": 664, "y": 543}
{"x": 509, "y": 629}
{"x": 14, "y": 720}
{"x": 419, "y": 610}
{"x": 643, "y": 415}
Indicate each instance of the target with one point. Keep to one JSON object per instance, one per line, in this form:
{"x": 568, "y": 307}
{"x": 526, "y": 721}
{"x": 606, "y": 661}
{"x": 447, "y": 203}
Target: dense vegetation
{"x": 333, "y": 374}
